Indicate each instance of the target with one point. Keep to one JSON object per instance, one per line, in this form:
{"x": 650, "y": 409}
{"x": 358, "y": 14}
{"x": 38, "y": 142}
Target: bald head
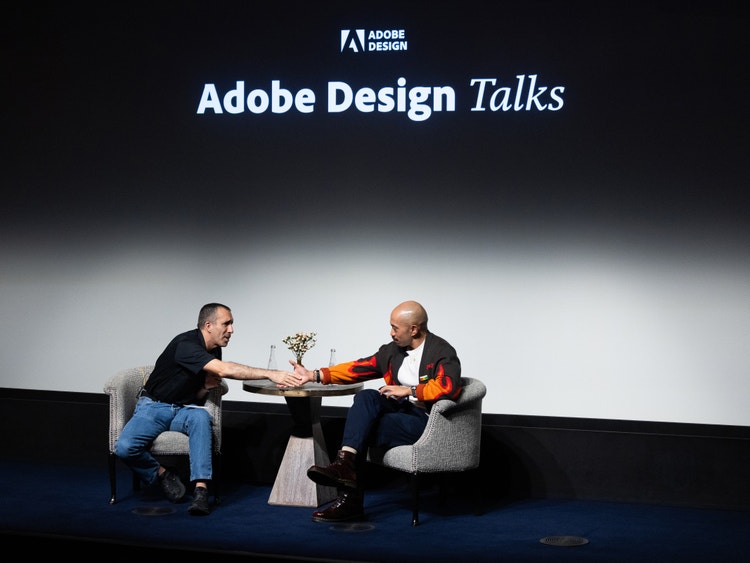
{"x": 412, "y": 313}
{"x": 409, "y": 325}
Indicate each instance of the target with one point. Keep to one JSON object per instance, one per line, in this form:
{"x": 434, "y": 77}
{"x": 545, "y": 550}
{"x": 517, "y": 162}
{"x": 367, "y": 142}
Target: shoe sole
{"x": 174, "y": 499}
{"x": 347, "y": 519}
{"x": 327, "y": 481}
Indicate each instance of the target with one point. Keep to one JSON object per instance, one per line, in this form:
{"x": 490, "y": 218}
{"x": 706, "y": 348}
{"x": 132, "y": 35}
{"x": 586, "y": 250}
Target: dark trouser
{"x": 376, "y": 420}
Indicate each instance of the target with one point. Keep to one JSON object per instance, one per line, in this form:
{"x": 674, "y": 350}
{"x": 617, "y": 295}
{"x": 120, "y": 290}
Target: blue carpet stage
{"x": 67, "y": 509}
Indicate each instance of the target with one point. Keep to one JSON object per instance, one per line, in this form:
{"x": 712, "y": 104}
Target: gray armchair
{"x": 123, "y": 389}
{"x": 450, "y": 442}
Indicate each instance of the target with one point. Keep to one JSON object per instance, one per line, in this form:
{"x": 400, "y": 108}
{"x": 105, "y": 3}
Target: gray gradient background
{"x": 591, "y": 262}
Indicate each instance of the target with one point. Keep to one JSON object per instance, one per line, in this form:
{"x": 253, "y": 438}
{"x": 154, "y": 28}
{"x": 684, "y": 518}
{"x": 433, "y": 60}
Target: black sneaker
{"x": 200, "y": 502}
{"x": 173, "y": 488}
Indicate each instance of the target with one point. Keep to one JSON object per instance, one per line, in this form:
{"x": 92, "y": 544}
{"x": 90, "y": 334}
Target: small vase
{"x": 272, "y": 357}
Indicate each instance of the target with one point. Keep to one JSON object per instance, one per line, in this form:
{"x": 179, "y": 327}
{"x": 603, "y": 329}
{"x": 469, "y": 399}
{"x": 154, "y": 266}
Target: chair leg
{"x": 476, "y": 492}
{"x": 216, "y": 481}
{"x": 112, "y": 478}
{"x": 414, "y": 499}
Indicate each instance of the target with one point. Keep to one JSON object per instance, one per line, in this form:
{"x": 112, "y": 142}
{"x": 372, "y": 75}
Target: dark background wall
{"x": 521, "y": 457}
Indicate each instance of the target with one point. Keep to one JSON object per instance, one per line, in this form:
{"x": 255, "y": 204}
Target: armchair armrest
{"x": 213, "y": 406}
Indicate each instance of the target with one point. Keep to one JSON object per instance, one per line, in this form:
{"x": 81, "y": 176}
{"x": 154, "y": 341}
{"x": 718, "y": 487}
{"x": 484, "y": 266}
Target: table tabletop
{"x": 266, "y": 387}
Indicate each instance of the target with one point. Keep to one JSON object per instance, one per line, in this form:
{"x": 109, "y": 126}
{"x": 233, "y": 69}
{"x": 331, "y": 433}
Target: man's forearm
{"x": 233, "y": 370}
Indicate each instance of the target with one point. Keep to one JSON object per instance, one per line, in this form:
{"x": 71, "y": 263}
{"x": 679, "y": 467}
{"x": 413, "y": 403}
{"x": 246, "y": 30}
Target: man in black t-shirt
{"x": 172, "y": 398}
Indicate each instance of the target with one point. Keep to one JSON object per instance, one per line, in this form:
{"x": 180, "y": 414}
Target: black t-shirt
{"x": 178, "y": 373}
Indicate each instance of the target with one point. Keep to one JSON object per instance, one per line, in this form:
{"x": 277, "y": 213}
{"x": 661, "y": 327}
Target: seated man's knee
{"x": 367, "y": 396}
{"x": 195, "y": 419}
{"x": 124, "y": 448}
{"x": 201, "y": 416}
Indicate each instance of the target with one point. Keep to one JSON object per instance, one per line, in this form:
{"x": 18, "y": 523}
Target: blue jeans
{"x": 376, "y": 420}
{"x": 150, "y": 419}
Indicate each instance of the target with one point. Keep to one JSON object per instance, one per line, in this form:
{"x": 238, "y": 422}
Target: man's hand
{"x": 395, "y": 391}
{"x": 285, "y": 378}
{"x": 305, "y": 375}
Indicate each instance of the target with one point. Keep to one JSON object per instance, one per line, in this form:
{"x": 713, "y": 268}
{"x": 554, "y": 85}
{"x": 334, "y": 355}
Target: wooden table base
{"x": 306, "y": 446}
{"x": 292, "y": 486}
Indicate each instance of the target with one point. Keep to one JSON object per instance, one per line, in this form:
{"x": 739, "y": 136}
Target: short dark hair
{"x": 208, "y": 313}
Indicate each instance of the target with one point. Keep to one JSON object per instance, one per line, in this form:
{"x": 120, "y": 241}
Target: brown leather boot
{"x": 348, "y": 506}
{"x": 340, "y": 473}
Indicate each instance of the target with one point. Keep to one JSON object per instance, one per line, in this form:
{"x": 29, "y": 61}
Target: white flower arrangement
{"x": 300, "y": 343}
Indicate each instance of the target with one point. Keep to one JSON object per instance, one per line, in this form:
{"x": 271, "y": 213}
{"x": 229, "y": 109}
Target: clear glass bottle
{"x": 332, "y": 359}
{"x": 272, "y": 358}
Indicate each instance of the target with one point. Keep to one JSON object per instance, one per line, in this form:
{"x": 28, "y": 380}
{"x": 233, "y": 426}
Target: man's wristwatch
{"x": 414, "y": 391}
